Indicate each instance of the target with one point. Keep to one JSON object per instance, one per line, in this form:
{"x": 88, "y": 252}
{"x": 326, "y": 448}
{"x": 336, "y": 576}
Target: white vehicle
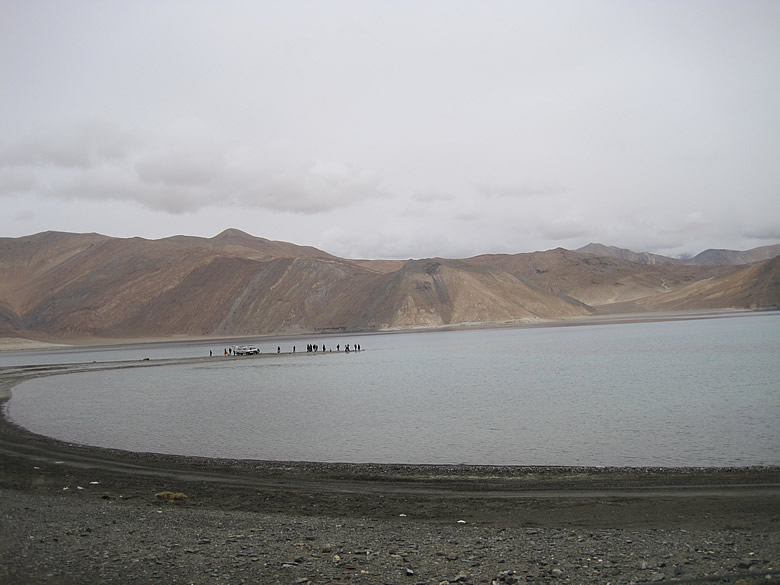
{"x": 246, "y": 350}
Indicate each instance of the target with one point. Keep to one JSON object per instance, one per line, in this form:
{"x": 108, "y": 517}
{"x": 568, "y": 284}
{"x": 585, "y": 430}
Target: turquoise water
{"x": 699, "y": 392}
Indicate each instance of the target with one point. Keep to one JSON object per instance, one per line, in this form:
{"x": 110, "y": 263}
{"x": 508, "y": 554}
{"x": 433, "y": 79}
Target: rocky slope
{"x": 58, "y": 285}
{"x": 623, "y": 254}
{"x": 599, "y": 280}
{"x": 711, "y": 257}
{"x": 706, "y": 258}
{"x": 755, "y": 286}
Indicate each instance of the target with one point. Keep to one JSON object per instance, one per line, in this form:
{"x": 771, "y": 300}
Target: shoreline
{"x": 81, "y": 513}
{"x": 604, "y": 317}
{"x": 15, "y": 441}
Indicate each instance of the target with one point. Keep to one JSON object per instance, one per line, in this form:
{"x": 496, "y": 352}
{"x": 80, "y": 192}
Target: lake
{"x": 702, "y": 392}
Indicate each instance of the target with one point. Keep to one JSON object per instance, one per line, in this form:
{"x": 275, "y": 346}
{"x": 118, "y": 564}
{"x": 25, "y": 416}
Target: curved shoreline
{"x": 483, "y": 481}
{"x": 295, "y": 522}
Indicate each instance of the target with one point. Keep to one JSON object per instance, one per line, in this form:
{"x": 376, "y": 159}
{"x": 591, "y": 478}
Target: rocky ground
{"x": 73, "y": 514}
{"x": 77, "y": 538}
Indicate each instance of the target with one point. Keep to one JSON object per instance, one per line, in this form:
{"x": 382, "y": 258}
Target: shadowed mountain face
{"x": 82, "y": 285}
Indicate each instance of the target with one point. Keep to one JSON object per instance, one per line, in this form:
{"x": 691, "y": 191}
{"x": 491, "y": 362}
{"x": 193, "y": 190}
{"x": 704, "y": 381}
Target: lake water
{"x": 694, "y": 392}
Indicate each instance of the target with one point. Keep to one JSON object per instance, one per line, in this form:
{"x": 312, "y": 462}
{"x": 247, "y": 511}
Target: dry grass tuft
{"x": 171, "y": 496}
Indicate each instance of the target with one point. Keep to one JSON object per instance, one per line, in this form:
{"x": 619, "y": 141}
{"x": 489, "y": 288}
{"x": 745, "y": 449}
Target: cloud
{"x": 121, "y": 184}
{"x": 181, "y": 168}
{"x": 521, "y": 191}
{"x": 767, "y": 233}
{"x": 563, "y": 228}
{"x": 88, "y": 144}
{"x": 400, "y": 242}
{"x": 432, "y": 196}
{"x": 24, "y": 215}
{"x": 98, "y": 162}
{"x": 316, "y": 187}
{"x": 508, "y": 125}
{"x": 469, "y": 211}
{"x": 14, "y": 181}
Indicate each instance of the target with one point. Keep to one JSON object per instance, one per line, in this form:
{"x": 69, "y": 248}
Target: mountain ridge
{"x": 58, "y": 285}
{"x": 710, "y": 257}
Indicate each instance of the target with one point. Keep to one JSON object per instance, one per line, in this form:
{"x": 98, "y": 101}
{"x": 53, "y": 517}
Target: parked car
{"x": 246, "y": 350}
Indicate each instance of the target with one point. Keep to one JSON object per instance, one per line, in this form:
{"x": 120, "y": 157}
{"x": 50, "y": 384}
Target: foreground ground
{"x": 74, "y": 514}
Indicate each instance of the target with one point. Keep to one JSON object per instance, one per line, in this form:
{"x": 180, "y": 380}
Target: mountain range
{"x": 56, "y": 285}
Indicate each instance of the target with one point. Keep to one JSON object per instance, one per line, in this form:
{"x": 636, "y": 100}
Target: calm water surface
{"x": 702, "y": 392}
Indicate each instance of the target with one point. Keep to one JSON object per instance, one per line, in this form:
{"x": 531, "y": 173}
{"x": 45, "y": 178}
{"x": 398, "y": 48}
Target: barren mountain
{"x": 72, "y": 285}
{"x": 430, "y": 293}
{"x": 598, "y": 280}
{"x": 710, "y": 257}
{"x": 754, "y": 286}
{"x": 706, "y": 258}
{"x": 56, "y": 285}
{"x": 623, "y": 254}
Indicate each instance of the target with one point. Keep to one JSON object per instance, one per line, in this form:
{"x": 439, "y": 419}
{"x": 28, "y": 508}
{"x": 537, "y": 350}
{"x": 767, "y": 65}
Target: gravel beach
{"x": 77, "y": 514}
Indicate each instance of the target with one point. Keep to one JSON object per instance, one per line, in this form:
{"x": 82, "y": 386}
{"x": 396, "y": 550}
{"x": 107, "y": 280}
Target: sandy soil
{"x": 19, "y": 343}
{"x": 613, "y": 313}
{"x": 75, "y": 514}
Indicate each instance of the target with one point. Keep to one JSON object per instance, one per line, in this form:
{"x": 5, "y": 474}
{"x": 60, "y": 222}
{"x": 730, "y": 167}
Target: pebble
{"x": 129, "y": 543}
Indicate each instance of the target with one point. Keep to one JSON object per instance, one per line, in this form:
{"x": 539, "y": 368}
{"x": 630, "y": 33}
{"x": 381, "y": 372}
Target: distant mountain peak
{"x": 712, "y": 257}
{"x": 717, "y": 256}
{"x": 624, "y": 254}
{"x": 231, "y": 233}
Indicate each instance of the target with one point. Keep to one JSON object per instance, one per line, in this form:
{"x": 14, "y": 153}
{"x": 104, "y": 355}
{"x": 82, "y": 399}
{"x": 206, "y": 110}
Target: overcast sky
{"x": 395, "y": 129}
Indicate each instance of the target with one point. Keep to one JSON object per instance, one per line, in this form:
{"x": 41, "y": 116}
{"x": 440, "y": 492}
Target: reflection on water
{"x": 703, "y": 392}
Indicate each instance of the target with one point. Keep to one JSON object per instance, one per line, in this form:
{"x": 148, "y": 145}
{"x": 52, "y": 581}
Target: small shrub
{"x": 171, "y": 496}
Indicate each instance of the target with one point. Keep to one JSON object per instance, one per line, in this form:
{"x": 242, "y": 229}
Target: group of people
{"x": 314, "y": 347}
{"x": 310, "y": 348}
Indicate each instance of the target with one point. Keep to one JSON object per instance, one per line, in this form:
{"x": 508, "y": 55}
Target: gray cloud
{"x": 82, "y": 146}
{"x": 432, "y": 196}
{"x": 97, "y": 163}
{"x": 14, "y": 181}
{"x": 431, "y": 128}
{"x": 195, "y": 168}
{"x": 521, "y": 191}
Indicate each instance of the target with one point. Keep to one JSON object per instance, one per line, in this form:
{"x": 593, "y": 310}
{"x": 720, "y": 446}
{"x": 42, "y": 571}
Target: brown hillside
{"x": 623, "y": 254}
{"x": 71, "y": 285}
{"x": 25, "y": 263}
{"x": 756, "y": 286}
{"x": 598, "y": 280}
{"x": 78, "y": 285}
{"x": 236, "y": 296}
{"x": 233, "y": 242}
{"x": 239, "y": 296}
{"x": 710, "y": 257}
{"x": 84, "y": 284}
{"x": 380, "y": 266}
{"x": 436, "y": 292}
